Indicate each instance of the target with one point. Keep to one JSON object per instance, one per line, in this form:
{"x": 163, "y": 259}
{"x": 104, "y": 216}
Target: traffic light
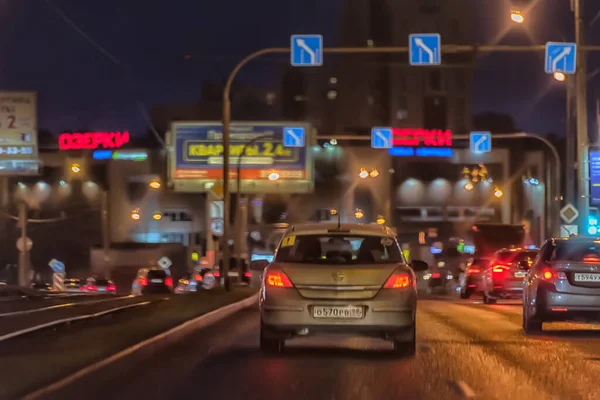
{"x": 593, "y": 222}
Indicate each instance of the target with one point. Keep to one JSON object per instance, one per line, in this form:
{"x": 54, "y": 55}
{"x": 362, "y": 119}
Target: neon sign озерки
{"x": 92, "y": 140}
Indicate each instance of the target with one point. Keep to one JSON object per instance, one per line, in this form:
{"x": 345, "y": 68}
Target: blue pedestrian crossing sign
{"x": 481, "y": 142}
{"x": 306, "y": 50}
{"x": 561, "y": 57}
{"x": 381, "y": 138}
{"x": 425, "y": 49}
{"x": 294, "y": 136}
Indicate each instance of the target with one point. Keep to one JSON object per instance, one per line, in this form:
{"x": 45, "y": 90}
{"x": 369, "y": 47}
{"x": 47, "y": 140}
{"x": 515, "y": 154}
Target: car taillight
{"x": 169, "y": 281}
{"x": 278, "y": 279}
{"x": 217, "y": 274}
{"x": 199, "y": 278}
{"x": 550, "y": 275}
{"x": 111, "y": 288}
{"x": 473, "y": 271}
{"x": 92, "y": 288}
{"x": 500, "y": 269}
{"x": 591, "y": 260}
{"x": 144, "y": 281}
{"x": 435, "y": 275}
{"x": 398, "y": 280}
{"x": 248, "y": 274}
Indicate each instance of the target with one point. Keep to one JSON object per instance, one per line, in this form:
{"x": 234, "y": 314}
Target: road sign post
{"x": 381, "y": 138}
{"x": 306, "y": 50}
{"x": 480, "y": 142}
{"x": 294, "y": 136}
{"x": 425, "y": 49}
{"x": 561, "y": 57}
{"x": 58, "y": 281}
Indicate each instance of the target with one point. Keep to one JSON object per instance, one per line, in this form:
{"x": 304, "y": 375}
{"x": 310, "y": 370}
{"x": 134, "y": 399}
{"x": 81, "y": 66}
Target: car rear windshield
{"x": 102, "y": 282}
{"x": 573, "y": 251}
{"x": 516, "y": 256}
{"x": 156, "y": 273}
{"x": 339, "y": 249}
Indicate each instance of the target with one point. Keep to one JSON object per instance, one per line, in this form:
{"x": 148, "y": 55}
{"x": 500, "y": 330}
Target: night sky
{"x": 81, "y": 88}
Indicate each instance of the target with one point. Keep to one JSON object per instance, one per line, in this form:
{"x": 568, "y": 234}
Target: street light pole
{"x": 583, "y": 189}
{"x": 239, "y": 226}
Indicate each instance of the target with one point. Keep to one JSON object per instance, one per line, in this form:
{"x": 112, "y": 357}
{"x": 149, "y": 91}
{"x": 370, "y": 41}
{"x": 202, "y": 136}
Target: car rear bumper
{"x": 390, "y": 310}
{"x": 507, "y": 293}
{"x": 572, "y": 302}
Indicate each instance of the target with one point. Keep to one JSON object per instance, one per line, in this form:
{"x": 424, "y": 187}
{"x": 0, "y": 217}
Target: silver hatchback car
{"x": 563, "y": 283}
{"x": 347, "y": 278}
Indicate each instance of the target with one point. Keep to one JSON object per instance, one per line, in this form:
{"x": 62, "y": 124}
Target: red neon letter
{"x": 121, "y": 139}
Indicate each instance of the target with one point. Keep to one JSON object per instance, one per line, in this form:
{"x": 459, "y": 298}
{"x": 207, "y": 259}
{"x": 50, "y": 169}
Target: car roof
{"x": 517, "y": 249}
{"x": 354, "y": 229}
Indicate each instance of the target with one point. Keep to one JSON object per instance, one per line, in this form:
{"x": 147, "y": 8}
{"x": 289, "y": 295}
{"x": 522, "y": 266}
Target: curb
{"x": 143, "y": 348}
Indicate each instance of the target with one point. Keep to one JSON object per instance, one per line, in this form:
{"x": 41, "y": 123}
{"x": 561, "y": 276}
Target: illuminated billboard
{"x": 410, "y": 142}
{"x": 92, "y": 140}
{"x": 18, "y": 134}
{"x": 196, "y": 157}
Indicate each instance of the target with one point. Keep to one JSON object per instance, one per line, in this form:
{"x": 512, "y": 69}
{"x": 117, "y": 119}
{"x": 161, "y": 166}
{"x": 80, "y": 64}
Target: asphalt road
{"x": 465, "y": 350}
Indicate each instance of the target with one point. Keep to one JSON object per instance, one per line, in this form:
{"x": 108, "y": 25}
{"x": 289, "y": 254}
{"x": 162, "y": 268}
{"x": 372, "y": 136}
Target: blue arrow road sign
{"x": 293, "y": 136}
{"x": 561, "y": 57}
{"x": 425, "y": 49}
{"x": 57, "y": 266}
{"x": 306, "y": 50}
{"x": 381, "y": 138}
{"x": 481, "y": 142}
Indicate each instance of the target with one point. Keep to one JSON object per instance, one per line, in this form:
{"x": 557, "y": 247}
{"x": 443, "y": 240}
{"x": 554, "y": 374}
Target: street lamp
{"x": 75, "y": 168}
{"x": 559, "y": 76}
{"x": 374, "y": 173}
{"x": 380, "y": 220}
{"x": 359, "y": 214}
{"x": 469, "y": 186}
{"x": 135, "y": 214}
{"x": 157, "y": 216}
{"x": 154, "y": 184}
{"x": 517, "y": 16}
{"x": 363, "y": 174}
{"x": 273, "y": 176}
{"x": 498, "y": 193}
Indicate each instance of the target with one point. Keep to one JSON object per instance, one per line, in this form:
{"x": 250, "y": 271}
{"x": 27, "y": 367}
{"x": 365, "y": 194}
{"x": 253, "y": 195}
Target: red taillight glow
{"x": 500, "y": 269}
{"x": 92, "y": 288}
{"x": 217, "y": 274}
{"x": 248, "y": 274}
{"x": 398, "y": 280}
{"x": 436, "y": 275}
{"x": 111, "y": 288}
{"x": 278, "y": 279}
{"x": 169, "y": 281}
{"x": 473, "y": 271}
{"x": 591, "y": 260}
{"x": 550, "y": 275}
{"x": 144, "y": 281}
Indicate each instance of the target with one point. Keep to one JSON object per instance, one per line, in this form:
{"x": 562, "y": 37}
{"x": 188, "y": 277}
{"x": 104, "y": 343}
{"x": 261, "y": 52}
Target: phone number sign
{"x": 18, "y": 133}
{"x": 198, "y": 157}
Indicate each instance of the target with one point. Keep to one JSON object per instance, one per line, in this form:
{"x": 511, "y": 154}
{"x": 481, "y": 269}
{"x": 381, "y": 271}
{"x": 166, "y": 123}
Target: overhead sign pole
{"x": 376, "y": 50}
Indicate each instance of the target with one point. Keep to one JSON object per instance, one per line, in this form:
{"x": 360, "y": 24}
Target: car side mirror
{"x": 419, "y": 265}
{"x": 258, "y": 265}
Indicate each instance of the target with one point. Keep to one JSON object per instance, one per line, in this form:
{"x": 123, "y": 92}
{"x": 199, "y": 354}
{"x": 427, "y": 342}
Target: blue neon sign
{"x": 421, "y": 152}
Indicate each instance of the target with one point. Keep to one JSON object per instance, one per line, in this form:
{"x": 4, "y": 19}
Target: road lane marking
{"x": 464, "y": 389}
{"x": 35, "y": 328}
{"x": 57, "y": 306}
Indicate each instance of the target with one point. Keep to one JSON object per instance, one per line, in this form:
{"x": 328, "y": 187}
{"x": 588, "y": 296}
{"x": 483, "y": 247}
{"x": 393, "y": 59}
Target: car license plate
{"x": 102, "y": 289}
{"x": 156, "y": 281}
{"x": 520, "y": 274}
{"x": 587, "y": 278}
{"x": 337, "y": 312}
